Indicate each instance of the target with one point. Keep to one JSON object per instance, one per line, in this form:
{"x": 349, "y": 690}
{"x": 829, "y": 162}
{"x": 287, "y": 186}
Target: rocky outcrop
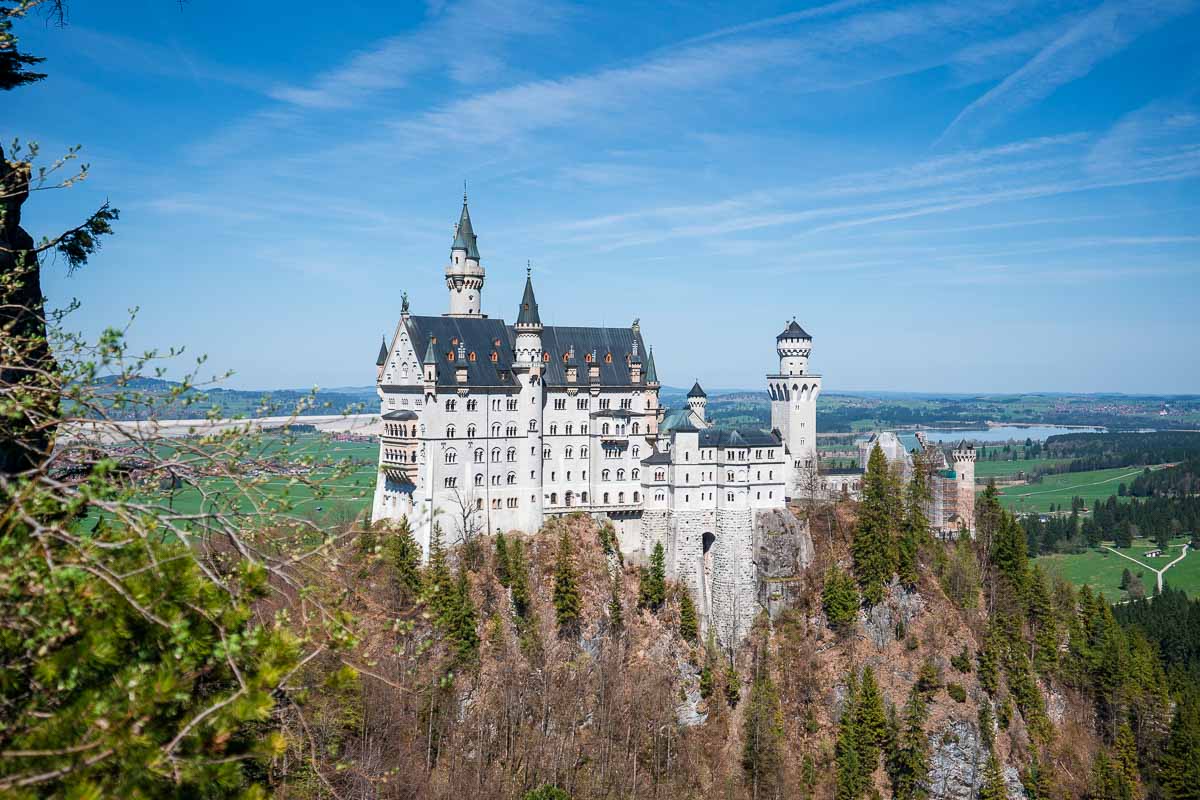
{"x": 957, "y": 758}
{"x": 898, "y": 610}
{"x": 693, "y": 710}
{"x": 783, "y": 549}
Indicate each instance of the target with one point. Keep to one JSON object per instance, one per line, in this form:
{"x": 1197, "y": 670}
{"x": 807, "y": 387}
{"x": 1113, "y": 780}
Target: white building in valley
{"x": 490, "y": 426}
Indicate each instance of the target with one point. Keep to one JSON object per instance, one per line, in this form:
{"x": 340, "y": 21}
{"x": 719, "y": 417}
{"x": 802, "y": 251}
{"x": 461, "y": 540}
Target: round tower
{"x": 697, "y": 401}
{"x": 528, "y": 344}
{"x": 793, "y": 347}
{"x": 464, "y": 274}
{"x": 528, "y": 369}
{"x": 962, "y": 459}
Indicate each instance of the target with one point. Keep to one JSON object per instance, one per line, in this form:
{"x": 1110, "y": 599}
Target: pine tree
{"x": 439, "y": 585}
{"x": 616, "y": 613}
{"x": 1125, "y": 755}
{"x": 989, "y": 660}
{"x": 908, "y": 763}
{"x": 1126, "y": 579}
{"x": 915, "y": 531}
{"x": 566, "y": 590}
{"x": 502, "y": 574}
{"x": 839, "y": 598}
{"x": 460, "y": 620}
{"x": 688, "y": 626}
{"x": 1107, "y": 781}
{"x": 403, "y": 554}
{"x": 874, "y": 545}
{"x": 851, "y": 777}
{"x": 993, "y": 787}
{"x": 652, "y": 591}
{"x": 518, "y": 577}
{"x": 1043, "y": 622}
{"x": 733, "y": 686}
{"x": 870, "y": 720}
{"x": 1179, "y": 768}
{"x": 762, "y": 734}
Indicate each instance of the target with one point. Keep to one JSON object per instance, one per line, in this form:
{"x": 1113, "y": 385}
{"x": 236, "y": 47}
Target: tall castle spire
{"x": 464, "y": 274}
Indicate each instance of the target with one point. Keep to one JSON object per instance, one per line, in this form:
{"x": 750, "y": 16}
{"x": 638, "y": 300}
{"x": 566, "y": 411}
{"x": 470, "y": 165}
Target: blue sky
{"x": 998, "y": 195}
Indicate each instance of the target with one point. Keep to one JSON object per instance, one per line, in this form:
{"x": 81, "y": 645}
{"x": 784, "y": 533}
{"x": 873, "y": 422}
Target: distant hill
{"x": 142, "y": 397}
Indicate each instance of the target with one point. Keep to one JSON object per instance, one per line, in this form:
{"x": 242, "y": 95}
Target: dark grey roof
{"x": 651, "y": 372}
{"x": 739, "y": 437}
{"x": 402, "y": 414}
{"x": 477, "y": 335}
{"x": 464, "y": 234}
{"x": 528, "y": 314}
{"x": 557, "y": 341}
{"x": 430, "y": 353}
{"x": 793, "y": 331}
{"x": 696, "y": 391}
{"x": 379, "y": 362}
{"x": 658, "y": 458}
{"x": 841, "y": 471}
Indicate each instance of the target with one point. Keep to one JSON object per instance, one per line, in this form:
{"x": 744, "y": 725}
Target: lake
{"x": 1004, "y": 433}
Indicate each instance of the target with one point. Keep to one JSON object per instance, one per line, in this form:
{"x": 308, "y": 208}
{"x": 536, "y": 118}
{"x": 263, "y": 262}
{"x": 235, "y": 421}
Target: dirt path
{"x": 1157, "y": 572}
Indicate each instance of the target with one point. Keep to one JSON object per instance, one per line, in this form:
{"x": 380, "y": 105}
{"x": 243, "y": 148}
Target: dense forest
{"x": 1083, "y": 452}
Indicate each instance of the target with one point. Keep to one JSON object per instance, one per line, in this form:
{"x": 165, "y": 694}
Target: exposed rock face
{"x": 783, "y": 548}
{"x": 899, "y": 606}
{"x": 957, "y": 758}
{"x": 693, "y": 710}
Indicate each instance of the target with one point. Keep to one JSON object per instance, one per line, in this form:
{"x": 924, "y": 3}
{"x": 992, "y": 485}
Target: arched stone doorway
{"x": 706, "y": 574}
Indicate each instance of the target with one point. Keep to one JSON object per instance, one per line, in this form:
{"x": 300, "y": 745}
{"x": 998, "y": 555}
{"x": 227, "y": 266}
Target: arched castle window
{"x": 620, "y": 495}
{"x": 472, "y": 405}
{"x": 660, "y": 475}
{"x": 511, "y": 455}
{"x": 470, "y": 431}
{"x": 620, "y": 474}
{"x": 449, "y": 431}
{"x": 569, "y": 429}
{"x": 511, "y": 430}
{"x": 633, "y": 475}
{"x": 495, "y": 454}
{"x": 495, "y": 429}
{"x": 478, "y": 455}
{"x": 450, "y": 404}
{"x": 512, "y": 478}
{"x": 605, "y": 475}
{"x": 546, "y": 453}
{"x": 635, "y": 429}
{"x": 604, "y": 429}
{"x": 569, "y": 452}
{"x": 583, "y": 451}
{"x": 583, "y": 496}
{"x": 635, "y": 450}
{"x": 583, "y": 429}
{"x": 479, "y": 479}
{"x": 451, "y": 456}
{"x": 553, "y": 429}
{"x": 533, "y": 425}
{"x": 660, "y": 497}
{"x": 554, "y": 498}
{"x": 606, "y": 498}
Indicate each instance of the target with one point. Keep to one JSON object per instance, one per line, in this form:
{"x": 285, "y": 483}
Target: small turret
{"x": 635, "y": 357}
{"x": 528, "y": 327}
{"x": 697, "y": 400}
{"x": 383, "y": 353}
{"x": 651, "y": 372}
{"x": 793, "y": 346}
{"x": 464, "y": 274}
{"x": 429, "y": 367}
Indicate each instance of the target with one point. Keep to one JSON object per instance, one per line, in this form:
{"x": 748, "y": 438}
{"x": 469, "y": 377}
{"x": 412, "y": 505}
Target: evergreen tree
{"x": 616, "y": 613}
{"x": 989, "y": 660}
{"x": 502, "y": 574}
{"x": 871, "y": 722}
{"x": 762, "y": 734}
{"x": 439, "y": 585}
{"x": 652, "y": 591}
{"x": 1107, "y": 781}
{"x": 518, "y": 579}
{"x": 460, "y": 620}
{"x": 688, "y": 625}
{"x": 908, "y": 762}
{"x": 915, "y": 531}
{"x": 566, "y": 590}
{"x": 1125, "y": 754}
{"x": 852, "y": 778}
{"x": 874, "y": 542}
{"x": 1179, "y": 768}
{"x": 839, "y": 598}
{"x": 1126, "y": 579}
{"x": 1042, "y": 621}
{"x": 993, "y": 787}
{"x": 403, "y": 554}
{"x": 733, "y": 686}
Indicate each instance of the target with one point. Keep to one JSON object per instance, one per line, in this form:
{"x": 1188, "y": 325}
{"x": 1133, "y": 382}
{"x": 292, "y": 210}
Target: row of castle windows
{"x": 398, "y": 431}
{"x": 473, "y": 404}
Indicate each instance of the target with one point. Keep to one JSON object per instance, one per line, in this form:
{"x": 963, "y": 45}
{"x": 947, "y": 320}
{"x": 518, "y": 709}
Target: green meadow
{"x": 1102, "y": 569}
{"x": 1058, "y": 489}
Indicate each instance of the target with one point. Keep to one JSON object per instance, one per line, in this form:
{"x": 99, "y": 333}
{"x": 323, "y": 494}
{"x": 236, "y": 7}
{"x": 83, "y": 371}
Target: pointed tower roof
{"x": 696, "y": 391}
{"x": 528, "y": 315}
{"x": 651, "y": 373}
{"x": 430, "y": 355}
{"x": 382, "y": 352}
{"x": 464, "y": 234}
{"x": 793, "y": 331}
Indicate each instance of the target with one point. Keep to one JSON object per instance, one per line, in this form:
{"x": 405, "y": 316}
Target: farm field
{"x": 339, "y": 499}
{"x": 1101, "y": 569}
{"x": 1002, "y": 469}
{"x": 1059, "y": 489}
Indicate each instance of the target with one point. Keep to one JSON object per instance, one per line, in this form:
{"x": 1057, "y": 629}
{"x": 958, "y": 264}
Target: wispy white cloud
{"x": 1100, "y": 34}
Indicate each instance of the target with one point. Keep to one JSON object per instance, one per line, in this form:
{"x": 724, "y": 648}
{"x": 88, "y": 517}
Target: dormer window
{"x": 450, "y": 356}
{"x": 587, "y": 358}
{"x": 495, "y": 342}
{"x": 608, "y": 358}
{"x": 495, "y": 356}
{"x": 471, "y": 356}
{"x": 546, "y": 357}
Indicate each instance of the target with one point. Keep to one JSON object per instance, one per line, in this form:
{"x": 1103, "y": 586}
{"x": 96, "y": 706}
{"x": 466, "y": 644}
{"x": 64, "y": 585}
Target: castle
{"x": 492, "y": 427}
